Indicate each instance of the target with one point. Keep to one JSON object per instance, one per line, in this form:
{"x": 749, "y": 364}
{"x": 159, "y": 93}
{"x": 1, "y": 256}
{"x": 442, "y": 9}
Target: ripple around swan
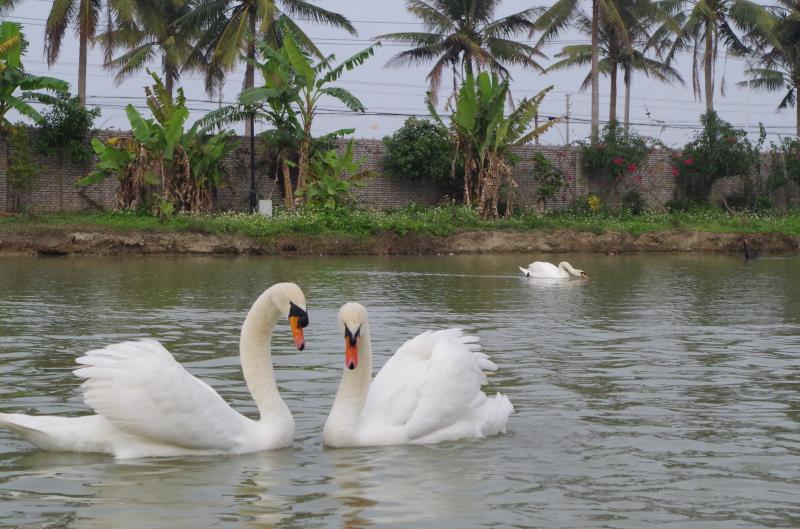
{"x": 662, "y": 392}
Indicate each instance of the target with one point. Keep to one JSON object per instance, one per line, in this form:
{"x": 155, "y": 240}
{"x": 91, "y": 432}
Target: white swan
{"x": 428, "y": 392}
{"x": 543, "y": 270}
{"x": 147, "y": 405}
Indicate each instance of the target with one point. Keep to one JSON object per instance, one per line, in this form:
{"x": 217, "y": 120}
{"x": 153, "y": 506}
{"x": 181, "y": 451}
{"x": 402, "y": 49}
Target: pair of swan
{"x": 148, "y": 405}
{"x": 543, "y": 270}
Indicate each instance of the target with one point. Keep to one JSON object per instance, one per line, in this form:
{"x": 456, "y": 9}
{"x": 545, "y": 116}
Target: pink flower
{"x": 617, "y": 161}
{"x": 688, "y": 161}
{"x": 632, "y": 168}
{"x": 675, "y": 171}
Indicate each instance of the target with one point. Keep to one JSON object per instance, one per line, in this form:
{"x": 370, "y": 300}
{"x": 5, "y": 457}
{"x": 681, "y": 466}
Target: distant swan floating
{"x": 428, "y": 392}
{"x": 148, "y": 405}
{"x": 542, "y": 270}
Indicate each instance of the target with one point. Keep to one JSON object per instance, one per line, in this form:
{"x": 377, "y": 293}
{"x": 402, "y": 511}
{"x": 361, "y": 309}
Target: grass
{"x": 440, "y": 220}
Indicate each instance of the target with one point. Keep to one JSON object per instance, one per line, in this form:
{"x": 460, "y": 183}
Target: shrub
{"x": 634, "y": 202}
{"x": 21, "y": 169}
{"x": 65, "y": 127}
{"x": 617, "y": 153}
{"x": 717, "y": 151}
{"x": 332, "y": 177}
{"x": 549, "y": 178}
{"x": 784, "y": 162}
{"x": 422, "y": 151}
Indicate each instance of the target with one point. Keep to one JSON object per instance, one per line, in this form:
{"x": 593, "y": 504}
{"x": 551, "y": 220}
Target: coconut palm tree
{"x": 464, "y": 34}
{"x": 777, "y": 66}
{"x": 706, "y": 25}
{"x": 615, "y": 53}
{"x": 151, "y": 31}
{"x": 230, "y": 29}
{"x": 560, "y": 16}
{"x": 85, "y": 15}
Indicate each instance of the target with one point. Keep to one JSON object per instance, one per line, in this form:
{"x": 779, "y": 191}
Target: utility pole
{"x": 253, "y": 202}
{"x": 566, "y": 118}
{"x": 536, "y": 126}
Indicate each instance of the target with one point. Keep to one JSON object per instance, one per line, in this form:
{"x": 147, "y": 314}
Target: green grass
{"x": 440, "y": 220}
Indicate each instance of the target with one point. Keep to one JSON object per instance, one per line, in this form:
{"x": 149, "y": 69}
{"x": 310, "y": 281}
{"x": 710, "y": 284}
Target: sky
{"x": 669, "y": 113}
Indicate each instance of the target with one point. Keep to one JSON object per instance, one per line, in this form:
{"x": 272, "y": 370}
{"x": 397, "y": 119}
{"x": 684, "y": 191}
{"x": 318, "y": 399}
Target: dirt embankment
{"x": 104, "y": 242}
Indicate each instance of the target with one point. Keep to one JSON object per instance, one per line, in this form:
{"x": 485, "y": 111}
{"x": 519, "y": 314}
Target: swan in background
{"x": 428, "y": 392}
{"x": 148, "y": 405}
{"x": 543, "y": 270}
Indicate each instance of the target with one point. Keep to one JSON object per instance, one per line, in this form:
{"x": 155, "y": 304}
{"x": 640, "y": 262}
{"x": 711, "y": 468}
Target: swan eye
{"x": 302, "y": 316}
{"x": 352, "y": 338}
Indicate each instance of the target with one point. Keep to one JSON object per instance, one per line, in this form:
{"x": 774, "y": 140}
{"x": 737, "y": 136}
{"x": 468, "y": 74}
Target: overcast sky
{"x": 669, "y": 113}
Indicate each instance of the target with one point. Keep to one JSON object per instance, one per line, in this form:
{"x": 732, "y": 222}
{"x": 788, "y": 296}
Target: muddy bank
{"x": 104, "y": 242}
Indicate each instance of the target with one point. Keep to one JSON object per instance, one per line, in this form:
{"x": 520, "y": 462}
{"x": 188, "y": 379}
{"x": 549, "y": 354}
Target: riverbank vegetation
{"x": 440, "y": 220}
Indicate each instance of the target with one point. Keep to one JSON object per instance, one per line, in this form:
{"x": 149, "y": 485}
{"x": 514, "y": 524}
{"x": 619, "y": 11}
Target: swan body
{"x": 543, "y": 270}
{"x": 148, "y": 405}
{"x": 429, "y": 391}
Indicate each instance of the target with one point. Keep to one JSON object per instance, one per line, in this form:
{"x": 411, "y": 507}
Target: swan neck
{"x": 354, "y": 387}
{"x": 568, "y": 269}
{"x": 256, "y": 356}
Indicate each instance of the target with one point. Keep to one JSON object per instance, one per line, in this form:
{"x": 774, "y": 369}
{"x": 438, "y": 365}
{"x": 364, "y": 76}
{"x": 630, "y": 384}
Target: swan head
{"x": 291, "y": 302}
{"x": 352, "y": 316}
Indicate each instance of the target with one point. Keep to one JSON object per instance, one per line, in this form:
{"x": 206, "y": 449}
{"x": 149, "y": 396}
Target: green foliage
{"x": 332, "y": 178}
{"x": 421, "y": 151}
{"x": 65, "y": 127}
{"x": 717, "y": 151}
{"x": 18, "y": 89}
{"x": 616, "y": 153}
{"x": 784, "y": 162}
{"x": 549, "y": 178}
{"x": 21, "y": 169}
{"x": 634, "y": 202}
{"x": 185, "y": 165}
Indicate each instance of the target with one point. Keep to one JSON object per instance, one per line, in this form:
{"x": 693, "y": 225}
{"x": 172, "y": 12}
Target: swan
{"x": 429, "y": 391}
{"x": 148, "y": 405}
{"x": 543, "y": 270}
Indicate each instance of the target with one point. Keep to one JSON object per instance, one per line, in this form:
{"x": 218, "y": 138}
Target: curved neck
{"x": 565, "y": 266}
{"x": 354, "y": 387}
{"x": 256, "y": 356}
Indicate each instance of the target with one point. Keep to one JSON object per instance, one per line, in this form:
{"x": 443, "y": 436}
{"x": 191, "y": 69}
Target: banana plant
{"x": 19, "y": 89}
{"x": 485, "y": 135}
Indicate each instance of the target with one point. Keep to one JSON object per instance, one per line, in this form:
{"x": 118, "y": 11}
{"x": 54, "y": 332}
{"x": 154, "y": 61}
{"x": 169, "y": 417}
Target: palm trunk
{"x": 797, "y": 109}
{"x": 169, "y": 83}
{"x": 83, "y": 48}
{"x": 249, "y": 72}
{"x": 595, "y": 70}
{"x": 627, "y": 81}
{"x": 708, "y": 65}
{"x": 612, "y": 106}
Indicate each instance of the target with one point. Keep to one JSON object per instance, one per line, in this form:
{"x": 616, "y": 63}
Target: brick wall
{"x": 54, "y": 190}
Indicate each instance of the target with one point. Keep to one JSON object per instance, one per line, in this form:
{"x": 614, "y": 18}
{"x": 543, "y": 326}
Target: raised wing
{"x": 429, "y": 383}
{"x": 142, "y": 390}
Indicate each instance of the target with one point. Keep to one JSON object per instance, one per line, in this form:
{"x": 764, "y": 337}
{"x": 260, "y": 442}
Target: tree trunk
{"x": 288, "y": 196}
{"x": 627, "y": 81}
{"x": 797, "y": 109}
{"x": 595, "y": 70}
{"x": 708, "y": 66}
{"x": 249, "y": 71}
{"x": 612, "y": 105}
{"x": 169, "y": 83}
{"x": 83, "y": 48}
{"x": 305, "y": 152}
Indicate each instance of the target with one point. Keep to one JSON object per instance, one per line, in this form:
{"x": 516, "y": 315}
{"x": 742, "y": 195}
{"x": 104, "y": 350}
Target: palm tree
{"x": 614, "y": 54}
{"x": 560, "y": 16}
{"x": 85, "y": 14}
{"x": 151, "y": 31}
{"x": 230, "y": 29}
{"x": 778, "y": 67}
{"x": 709, "y": 23}
{"x": 464, "y": 34}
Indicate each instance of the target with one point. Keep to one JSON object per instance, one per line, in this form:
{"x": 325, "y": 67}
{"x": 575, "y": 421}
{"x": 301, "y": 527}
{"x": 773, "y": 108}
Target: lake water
{"x": 664, "y": 392}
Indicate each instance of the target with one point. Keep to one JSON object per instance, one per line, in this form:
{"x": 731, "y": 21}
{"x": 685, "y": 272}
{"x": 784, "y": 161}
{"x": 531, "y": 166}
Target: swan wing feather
{"x": 141, "y": 389}
{"x": 429, "y": 383}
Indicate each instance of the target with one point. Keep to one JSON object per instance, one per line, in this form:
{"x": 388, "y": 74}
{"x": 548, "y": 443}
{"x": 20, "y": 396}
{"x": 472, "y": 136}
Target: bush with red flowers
{"x": 717, "y": 151}
{"x": 617, "y": 153}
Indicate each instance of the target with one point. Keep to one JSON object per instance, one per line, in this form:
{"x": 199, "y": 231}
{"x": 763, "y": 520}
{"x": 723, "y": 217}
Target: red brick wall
{"x": 53, "y": 188}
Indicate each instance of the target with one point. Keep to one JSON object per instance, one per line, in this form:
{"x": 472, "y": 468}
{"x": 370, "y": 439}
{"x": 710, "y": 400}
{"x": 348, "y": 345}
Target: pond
{"x": 661, "y": 392}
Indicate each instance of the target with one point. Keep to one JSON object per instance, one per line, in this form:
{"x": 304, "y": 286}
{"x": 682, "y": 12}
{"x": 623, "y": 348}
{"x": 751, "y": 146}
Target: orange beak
{"x": 350, "y": 353}
{"x": 297, "y": 332}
